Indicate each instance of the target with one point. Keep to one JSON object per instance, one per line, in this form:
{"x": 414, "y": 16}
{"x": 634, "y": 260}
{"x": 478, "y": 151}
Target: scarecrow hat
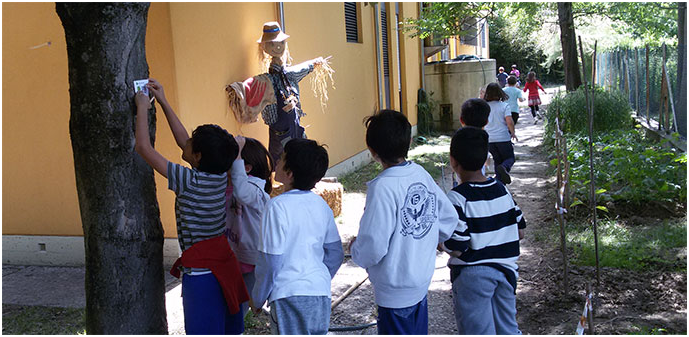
{"x": 272, "y": 32}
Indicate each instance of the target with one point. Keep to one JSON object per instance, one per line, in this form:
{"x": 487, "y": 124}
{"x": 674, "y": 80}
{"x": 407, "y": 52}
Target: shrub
{"x": 611, "y": 112}
{"x": 628, "y": 167}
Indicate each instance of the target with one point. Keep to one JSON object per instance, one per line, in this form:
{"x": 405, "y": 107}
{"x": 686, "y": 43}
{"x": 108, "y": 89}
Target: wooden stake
{"x": 590, "y": 312}
{"x": 648, "y": 92}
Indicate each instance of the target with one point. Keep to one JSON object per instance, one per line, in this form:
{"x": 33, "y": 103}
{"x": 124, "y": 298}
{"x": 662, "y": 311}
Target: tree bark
{"x": 569, "y": 46}
{"x": 681, "y": 90}
{"x": 123, "y": 235}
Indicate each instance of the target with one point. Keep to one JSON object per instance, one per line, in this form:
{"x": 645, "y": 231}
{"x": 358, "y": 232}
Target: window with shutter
{"x": 351, "y": 21}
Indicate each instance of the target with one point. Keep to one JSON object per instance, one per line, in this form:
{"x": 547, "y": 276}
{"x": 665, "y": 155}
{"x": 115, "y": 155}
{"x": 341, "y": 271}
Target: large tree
{"x": 569, "y": 46}
{"x": 123, "y": 236}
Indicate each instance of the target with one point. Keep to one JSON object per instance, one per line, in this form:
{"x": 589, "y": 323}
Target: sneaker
{"x": 503, "y": 176}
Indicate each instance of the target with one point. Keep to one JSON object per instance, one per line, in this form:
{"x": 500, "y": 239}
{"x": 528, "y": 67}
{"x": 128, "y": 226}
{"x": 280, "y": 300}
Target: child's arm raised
{"x": 177, "y": 128}
{"x": 143, "y": 143}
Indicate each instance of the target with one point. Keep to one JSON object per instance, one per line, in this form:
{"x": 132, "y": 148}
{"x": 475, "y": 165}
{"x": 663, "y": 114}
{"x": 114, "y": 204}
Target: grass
{"x": 655, "y": 246}
{"x": 431, "y": 152}
{"x": 39, "y": 320}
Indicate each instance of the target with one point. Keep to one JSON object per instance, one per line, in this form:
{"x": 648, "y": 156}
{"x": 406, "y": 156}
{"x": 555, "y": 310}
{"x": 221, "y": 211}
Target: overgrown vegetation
{"x": 611, "y": 112}
{"x": 629, "y": 168}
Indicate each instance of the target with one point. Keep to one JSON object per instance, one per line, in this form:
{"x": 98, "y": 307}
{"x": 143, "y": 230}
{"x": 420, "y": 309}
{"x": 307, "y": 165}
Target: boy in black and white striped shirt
{"x": 485, "y": 245}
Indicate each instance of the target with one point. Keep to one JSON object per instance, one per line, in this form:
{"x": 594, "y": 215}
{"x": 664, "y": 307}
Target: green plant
{"x": 611, "y": 112}
{"x": 652, "y": 246}
{"x": 628, "y": 167}
{"x": 425, "y": 109}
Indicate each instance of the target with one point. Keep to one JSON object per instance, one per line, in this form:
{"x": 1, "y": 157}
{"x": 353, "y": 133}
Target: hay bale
{"x": 328, "y": 188}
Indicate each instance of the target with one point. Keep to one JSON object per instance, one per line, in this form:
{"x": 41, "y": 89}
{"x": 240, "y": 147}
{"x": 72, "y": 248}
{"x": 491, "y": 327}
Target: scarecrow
{"x": 275, "y": 94}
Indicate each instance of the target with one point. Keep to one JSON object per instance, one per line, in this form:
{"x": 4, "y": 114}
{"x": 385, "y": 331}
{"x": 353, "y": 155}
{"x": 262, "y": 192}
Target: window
{"x": 351, "y": 11}
{"x": 470, "y": 32}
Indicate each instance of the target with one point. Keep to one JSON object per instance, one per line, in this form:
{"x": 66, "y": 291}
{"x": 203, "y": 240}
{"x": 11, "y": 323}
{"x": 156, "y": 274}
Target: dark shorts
{"x": 404, "y": 321}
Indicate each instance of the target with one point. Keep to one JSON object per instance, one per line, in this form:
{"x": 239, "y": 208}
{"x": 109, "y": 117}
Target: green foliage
{"x": 628, "y": 167}
{"x": 653, "y": 246}
{"x": 611, "y": 112}
{"x": 425, "y": 109}
{"x": 444, "y": 19}
{"x": 509, "y": 45}
{"x": 39, "y": 320}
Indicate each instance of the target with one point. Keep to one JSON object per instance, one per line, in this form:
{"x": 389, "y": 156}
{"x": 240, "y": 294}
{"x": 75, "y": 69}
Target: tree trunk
{"x": 569, "y": 46}
{"x": 681, "y": 90}
{"x": 123, "y": 235}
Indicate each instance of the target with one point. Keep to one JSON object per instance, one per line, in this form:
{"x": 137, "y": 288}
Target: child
{"x": 532, "y": 85}
{"x": 500, "y": 129}
{"x": 300, "y": 246}
{"x": 405, "y": 217}
{"x": 485, "y": 244}
{"x": 211, "y": 287}
{"x": 247, "y": 196}
{"x": 502, "y": 77}
{"x": 515, "y": 73}
{"x": 513, "y": 94}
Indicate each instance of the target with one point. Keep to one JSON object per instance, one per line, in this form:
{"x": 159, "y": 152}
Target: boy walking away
{"x": 514, "y": 94}
{"x": 212, "y": 286}
{"x": 405, "y": 217}
{"x": 299, "y": 245}
{"x": 485, "y": 244}
{"x": 502, "y": 77}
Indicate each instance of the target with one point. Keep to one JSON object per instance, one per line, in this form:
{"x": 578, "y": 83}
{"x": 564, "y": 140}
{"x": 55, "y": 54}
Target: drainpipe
{"x": 380, "y": 80}
{"x": 281, "y": 11}
{"x": 422, "y": 56}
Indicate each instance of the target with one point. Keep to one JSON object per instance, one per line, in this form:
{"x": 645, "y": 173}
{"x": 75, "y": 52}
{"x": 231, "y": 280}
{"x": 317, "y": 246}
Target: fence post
{"x": 626, "y": 72}
{"x": 559, "y": 207}
{"x": 591, "y": 310}
{"x": 648, "y": 92}
{"x": 636, "y": 79}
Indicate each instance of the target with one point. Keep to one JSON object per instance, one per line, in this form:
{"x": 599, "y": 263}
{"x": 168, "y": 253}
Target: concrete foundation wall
{"x": 454, "y": 82}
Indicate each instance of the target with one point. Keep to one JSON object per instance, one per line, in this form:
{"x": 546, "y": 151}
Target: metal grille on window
{"x": 351, "y": 22}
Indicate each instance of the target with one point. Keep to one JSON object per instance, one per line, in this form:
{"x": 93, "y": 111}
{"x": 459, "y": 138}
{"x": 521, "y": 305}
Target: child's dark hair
{"x": 475, "y": 112}
{"x": 388, "y": 133}
{"x": 217, "y": 147}
{"x": 512, "y": 80}
{"x": 531, "y": 76}
{"x": 469, "y": 147}
{"x": 495, "y": 93}
{"x": 307, "y": 161}
{"x": 256, "y": 155}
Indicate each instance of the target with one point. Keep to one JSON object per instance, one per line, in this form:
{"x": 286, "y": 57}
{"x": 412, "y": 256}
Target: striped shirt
{"x": 489, "y": 219}
{"x": 199, "y": 205}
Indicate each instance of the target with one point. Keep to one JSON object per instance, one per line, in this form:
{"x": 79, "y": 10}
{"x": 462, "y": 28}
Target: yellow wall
{"x": 194, "y": 50}
{"x": 356, "y": 94}
{"x": 39, "y": 188}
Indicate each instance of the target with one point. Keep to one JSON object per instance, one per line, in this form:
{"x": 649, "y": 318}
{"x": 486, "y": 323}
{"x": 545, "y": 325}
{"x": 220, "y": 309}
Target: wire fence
{"x": 648, "y": 76}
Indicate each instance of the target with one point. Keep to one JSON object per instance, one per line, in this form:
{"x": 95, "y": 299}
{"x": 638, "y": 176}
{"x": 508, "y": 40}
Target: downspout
{"x": 281, "y": 13}
{"x": 422, "y": 56}
{"x": 380, "y": 80}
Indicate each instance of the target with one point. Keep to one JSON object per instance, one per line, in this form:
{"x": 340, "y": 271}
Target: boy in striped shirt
{"x": 485, "y": 245}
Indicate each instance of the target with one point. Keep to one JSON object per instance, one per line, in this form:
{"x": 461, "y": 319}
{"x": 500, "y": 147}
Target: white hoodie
{"x": 406, "y": 216}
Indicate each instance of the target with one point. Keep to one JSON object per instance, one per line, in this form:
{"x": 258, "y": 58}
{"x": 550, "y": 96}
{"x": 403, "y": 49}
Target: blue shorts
{"x": 404, "y": 321}
{"x": 205, "y": 309}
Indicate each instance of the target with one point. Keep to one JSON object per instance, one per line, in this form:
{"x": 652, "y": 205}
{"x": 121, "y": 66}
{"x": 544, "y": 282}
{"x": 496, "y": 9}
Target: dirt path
{"x": 628, "y": 301}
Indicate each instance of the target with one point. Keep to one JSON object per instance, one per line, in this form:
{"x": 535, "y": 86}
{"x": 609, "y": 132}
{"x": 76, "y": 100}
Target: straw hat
{"x": 272, "y": 32}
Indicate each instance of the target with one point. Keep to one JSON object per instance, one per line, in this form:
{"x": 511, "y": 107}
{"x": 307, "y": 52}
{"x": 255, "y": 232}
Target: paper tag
{"x": 140, "y": 85}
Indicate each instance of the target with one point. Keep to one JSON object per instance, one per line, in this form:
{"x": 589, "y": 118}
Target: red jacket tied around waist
{"x": 215, "y": 254}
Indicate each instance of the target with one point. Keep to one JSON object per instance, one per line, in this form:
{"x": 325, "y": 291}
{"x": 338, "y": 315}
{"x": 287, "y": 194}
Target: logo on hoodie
{"x": 419, "y": 211}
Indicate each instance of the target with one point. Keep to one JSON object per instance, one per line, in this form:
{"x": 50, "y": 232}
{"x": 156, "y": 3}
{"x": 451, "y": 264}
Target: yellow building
{"x": 194, "y": 49}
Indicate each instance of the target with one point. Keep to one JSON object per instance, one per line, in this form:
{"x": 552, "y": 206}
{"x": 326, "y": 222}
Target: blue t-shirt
{"x": 514, "y": 94}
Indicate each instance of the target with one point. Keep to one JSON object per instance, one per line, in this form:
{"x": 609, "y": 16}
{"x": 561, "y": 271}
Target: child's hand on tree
{"x": 156, "y": 89}
{"x": 142, "y": 100}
